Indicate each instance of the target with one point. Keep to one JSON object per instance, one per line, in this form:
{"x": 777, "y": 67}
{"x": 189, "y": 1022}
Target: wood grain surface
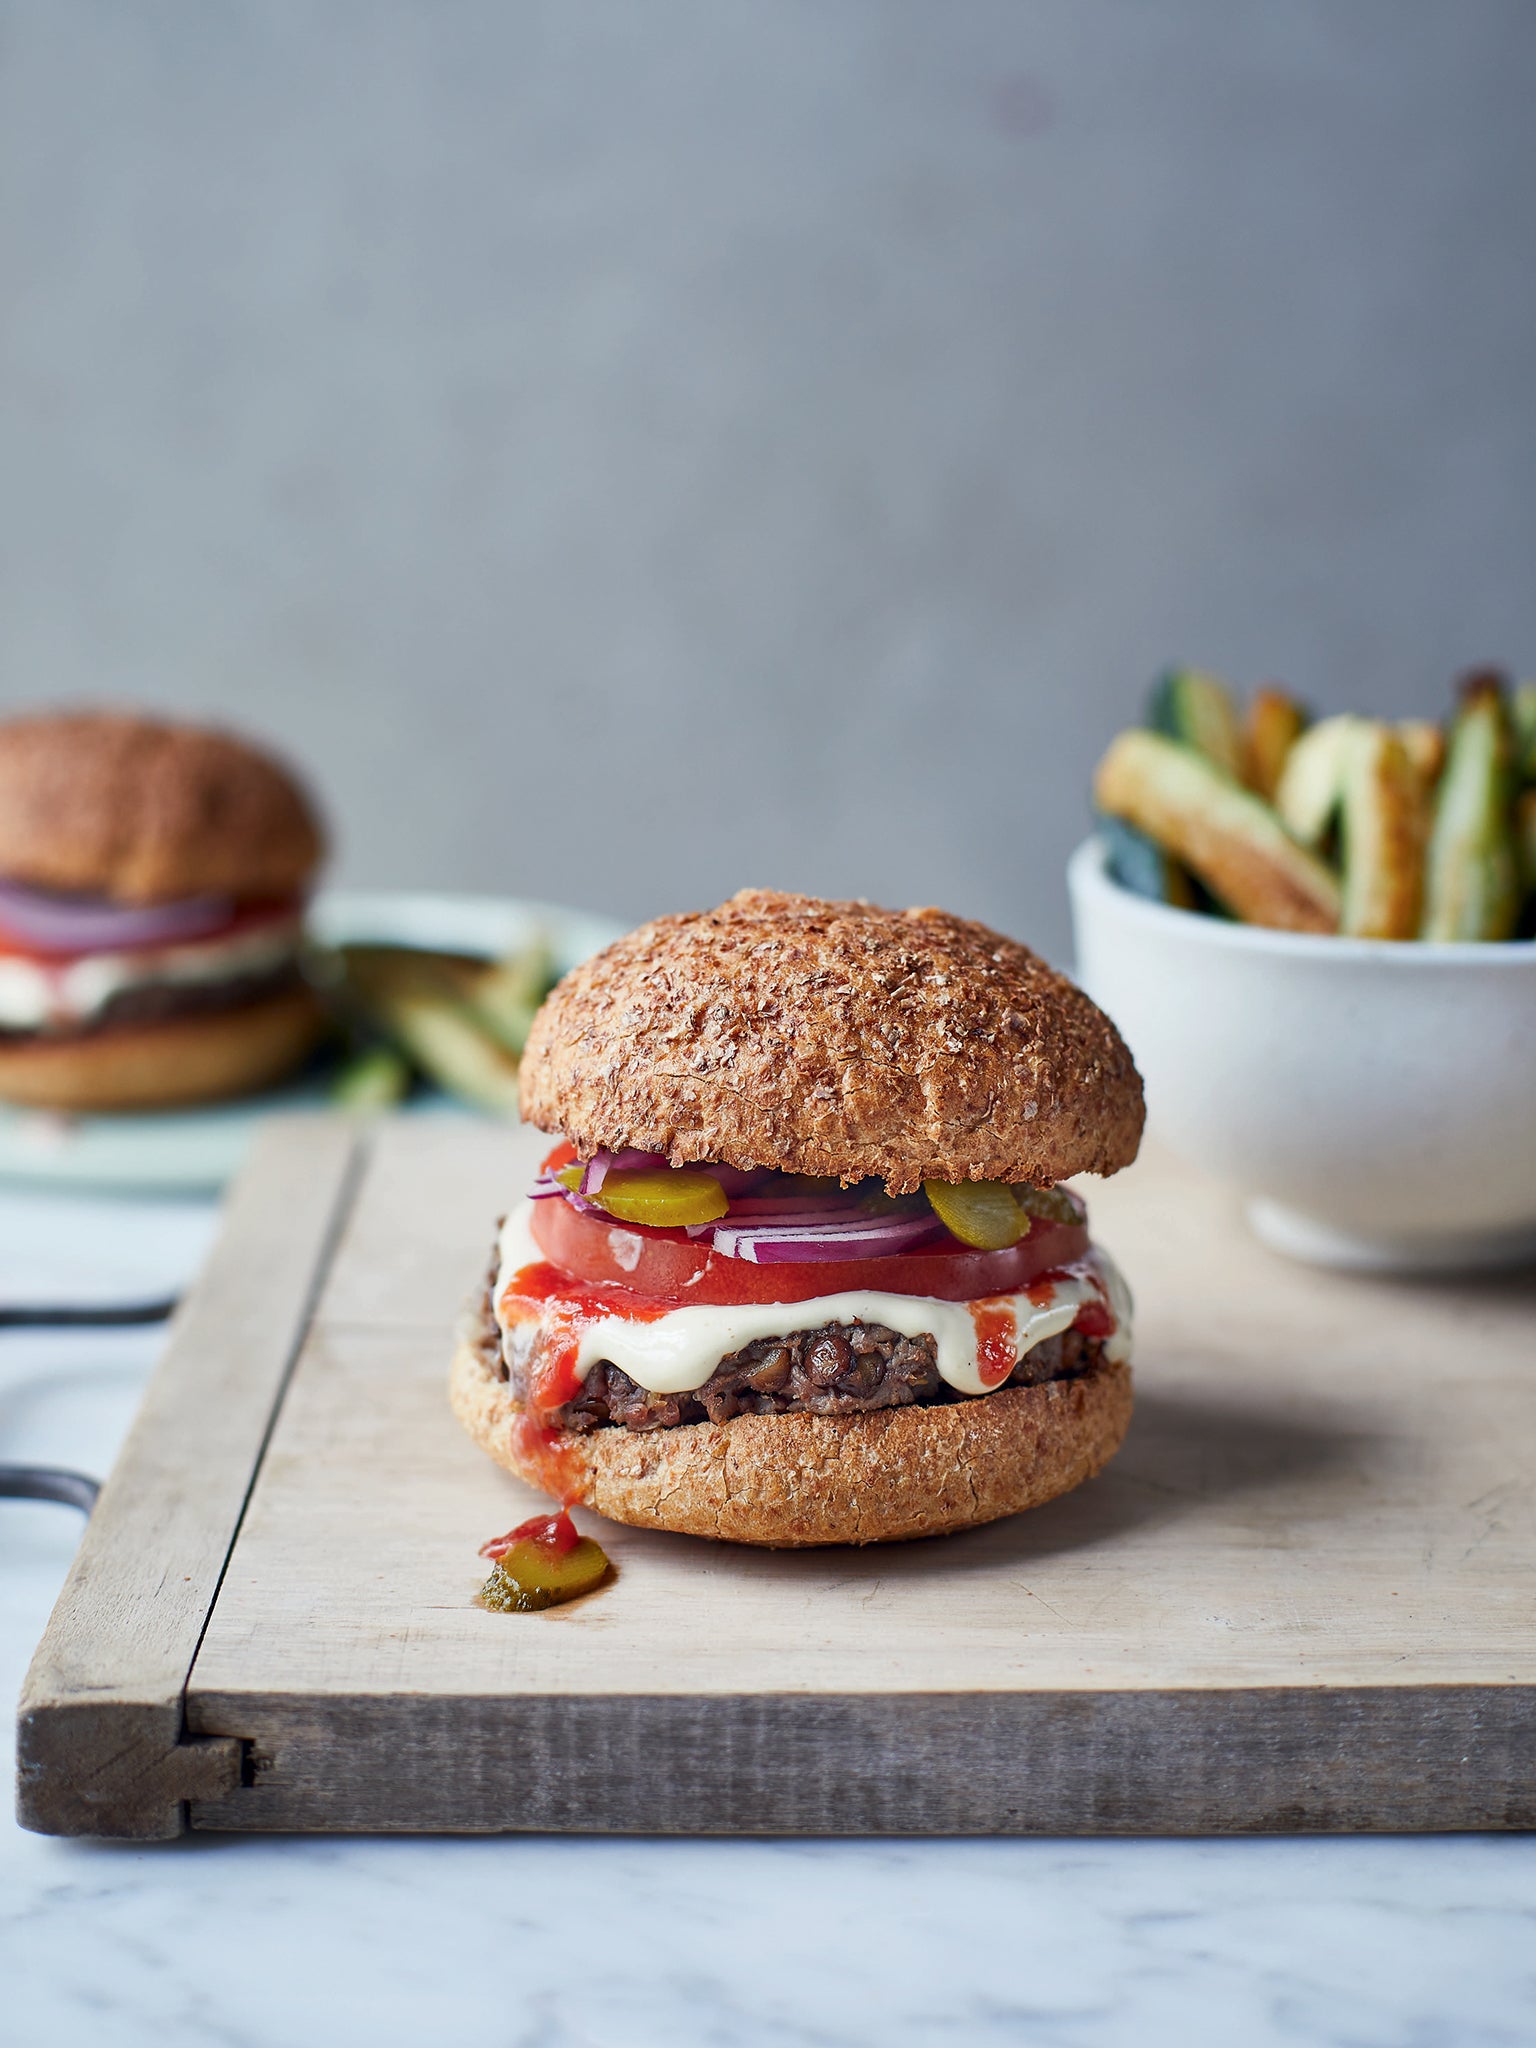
{"x": 1299, "y": 1598}
{"x": 101, "y": 1744}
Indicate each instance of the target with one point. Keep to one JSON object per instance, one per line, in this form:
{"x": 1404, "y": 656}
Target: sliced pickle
{"x": 530, "y": 1576}
{"x": 981, "y": 1213}
{"x": 661, "y": 1196}
{"x": 1048, "y": 1205}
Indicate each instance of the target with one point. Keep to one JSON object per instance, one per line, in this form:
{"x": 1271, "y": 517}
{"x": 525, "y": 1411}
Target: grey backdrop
{"x": 632, "y": 449}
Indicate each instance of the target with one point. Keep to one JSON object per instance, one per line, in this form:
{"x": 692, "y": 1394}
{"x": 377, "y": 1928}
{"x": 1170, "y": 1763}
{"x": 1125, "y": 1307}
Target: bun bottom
{"x": 792, "y": 1481}
{"x": 170, "y": 1064}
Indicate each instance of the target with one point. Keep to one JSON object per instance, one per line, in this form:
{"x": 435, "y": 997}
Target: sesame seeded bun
{"x": 141, "y": 811}
{"x": 170, "y": 1064}
{"x": 793, "y": 1481}
{"x": 834, "y": 1038}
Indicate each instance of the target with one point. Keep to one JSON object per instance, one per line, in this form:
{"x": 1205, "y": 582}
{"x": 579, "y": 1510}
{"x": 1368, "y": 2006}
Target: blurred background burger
{"x": 153, "y": 878}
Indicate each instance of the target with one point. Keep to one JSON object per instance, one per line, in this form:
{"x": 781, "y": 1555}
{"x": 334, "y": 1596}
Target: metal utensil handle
{"x": 45, "y": 1482}
{"x": 97, "y": 1315}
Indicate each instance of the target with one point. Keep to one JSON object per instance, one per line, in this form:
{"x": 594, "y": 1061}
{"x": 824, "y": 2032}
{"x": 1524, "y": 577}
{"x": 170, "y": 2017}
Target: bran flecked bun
{"x": 791, "y": 1481}
{"x": 834, "y": 1038}
{"x": 143, "y": 811}
{"x": 174, "y": 1063}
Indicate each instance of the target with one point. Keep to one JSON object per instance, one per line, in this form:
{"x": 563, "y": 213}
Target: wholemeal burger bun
{"x": 174, "y": 1062}
{"x": 793, "y": 1481}
{"x": 834, "y": 1038}
{"x": 138, "y": 811}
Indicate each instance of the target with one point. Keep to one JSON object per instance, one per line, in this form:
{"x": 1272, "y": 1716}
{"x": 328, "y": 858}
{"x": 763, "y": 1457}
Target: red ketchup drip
{"x": 996, "y": 1335}
{"x": 549, "y": 1457}
{"x": 555, "y": 1533}
{"x": 565, "y": 1310}
{"x": 1093, "y": 1319}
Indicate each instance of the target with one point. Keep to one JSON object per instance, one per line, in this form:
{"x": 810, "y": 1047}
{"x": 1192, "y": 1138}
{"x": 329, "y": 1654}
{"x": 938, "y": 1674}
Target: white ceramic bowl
{"x": 1376, "y": 1103}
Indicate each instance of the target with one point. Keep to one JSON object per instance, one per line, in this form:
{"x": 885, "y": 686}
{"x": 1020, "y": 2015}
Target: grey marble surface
{"x": 544, "y": 1943}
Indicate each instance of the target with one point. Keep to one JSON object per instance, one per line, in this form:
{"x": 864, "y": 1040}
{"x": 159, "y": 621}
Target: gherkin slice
{"x": 1048, "y": 1205}
{"x": 529, "y": 1576}
{"x": 981, "y": 1213}
{"x": 661, "y": 1196}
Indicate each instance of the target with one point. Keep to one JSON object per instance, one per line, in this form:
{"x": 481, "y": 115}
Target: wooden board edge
{"x": 102, "y": 1747}
{"x": 1194, "y": 1762}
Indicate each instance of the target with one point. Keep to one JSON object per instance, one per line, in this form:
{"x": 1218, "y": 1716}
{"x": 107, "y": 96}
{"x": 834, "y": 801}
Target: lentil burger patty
{"x": 838, "y": 1369}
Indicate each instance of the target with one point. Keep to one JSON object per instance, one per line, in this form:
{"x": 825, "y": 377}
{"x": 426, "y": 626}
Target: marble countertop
{"x": 237, "y": 1942}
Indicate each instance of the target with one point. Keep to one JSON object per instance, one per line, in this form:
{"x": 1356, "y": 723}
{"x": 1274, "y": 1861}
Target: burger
{"x": 799, "y": 1268}
{"x": 152, "y": 887}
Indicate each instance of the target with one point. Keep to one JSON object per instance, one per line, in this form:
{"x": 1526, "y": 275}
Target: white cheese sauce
{"x": 677, "y": 1353}
{"x": 34, "y": 993}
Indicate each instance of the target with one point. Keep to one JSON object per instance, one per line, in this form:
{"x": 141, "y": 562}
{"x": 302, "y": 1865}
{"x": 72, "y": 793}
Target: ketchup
{"x": 566, "y": 1309}
{"x": 995, "y": 1336}
{"x": 555, "y": 1533}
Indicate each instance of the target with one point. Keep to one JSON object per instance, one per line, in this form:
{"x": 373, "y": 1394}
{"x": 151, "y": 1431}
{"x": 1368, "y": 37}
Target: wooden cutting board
{"x": 1300, "y": 1598}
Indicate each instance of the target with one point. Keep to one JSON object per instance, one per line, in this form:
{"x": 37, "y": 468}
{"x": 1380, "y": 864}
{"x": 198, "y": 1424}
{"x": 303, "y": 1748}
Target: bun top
{"x": 142, "y": 811}
{"x": 834, "y": 1038}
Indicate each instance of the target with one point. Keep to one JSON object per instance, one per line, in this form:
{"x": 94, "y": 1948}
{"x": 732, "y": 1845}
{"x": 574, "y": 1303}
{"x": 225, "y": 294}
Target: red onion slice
{"x": 601, "y": 1164}
{"x": 868, "y": 1237}
{"x": 764, "y": 1207}
{"x": 88, "y": 924}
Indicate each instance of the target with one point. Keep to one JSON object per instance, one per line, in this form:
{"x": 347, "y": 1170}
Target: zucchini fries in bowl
{"x": 1358, "y": 826}
{"x": 1242, "y": 915}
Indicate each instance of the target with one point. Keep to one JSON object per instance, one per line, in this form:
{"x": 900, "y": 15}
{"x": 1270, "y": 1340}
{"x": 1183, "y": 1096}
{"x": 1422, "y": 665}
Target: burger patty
{"x": 157, "y": 1002}
{"x": 837, "y": 1369}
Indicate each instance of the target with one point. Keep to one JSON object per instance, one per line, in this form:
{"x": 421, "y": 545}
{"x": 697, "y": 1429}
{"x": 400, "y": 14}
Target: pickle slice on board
{"x": 529, "y": 1576}
{"x": 1276, "y": 721}
{"x": 1471, "y": 887}
{"x": 1189, "y": 705}
{"x": 981, "y": 1213}
{"x": 1229, "y": 838}
{"x": 1385, "y": 824}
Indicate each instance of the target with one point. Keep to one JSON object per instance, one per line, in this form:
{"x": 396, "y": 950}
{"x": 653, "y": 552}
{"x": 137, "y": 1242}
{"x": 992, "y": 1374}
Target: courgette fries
{"x": 1229, "y": 838}
{"x": 459, "y": 1022}
{"x": 1472, "y": 883}
{"x": 1360, "y": 826}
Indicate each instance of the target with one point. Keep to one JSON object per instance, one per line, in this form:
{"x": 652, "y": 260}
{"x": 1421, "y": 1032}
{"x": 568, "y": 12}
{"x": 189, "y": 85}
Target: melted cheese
{"x": 677, "y": 1352}
{"x": 34, "y": 993}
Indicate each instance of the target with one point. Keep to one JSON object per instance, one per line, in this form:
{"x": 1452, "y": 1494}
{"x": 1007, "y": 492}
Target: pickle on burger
{"x": 152, "y": 886}
{"x": 798, "y": 1269}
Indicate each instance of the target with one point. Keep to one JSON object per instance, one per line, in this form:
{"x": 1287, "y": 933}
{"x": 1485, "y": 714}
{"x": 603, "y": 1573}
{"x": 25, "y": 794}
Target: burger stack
{"x": 153, "y": 879}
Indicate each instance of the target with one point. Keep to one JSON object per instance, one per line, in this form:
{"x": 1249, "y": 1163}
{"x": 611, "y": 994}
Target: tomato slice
{"x": 668, "y": 1265}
